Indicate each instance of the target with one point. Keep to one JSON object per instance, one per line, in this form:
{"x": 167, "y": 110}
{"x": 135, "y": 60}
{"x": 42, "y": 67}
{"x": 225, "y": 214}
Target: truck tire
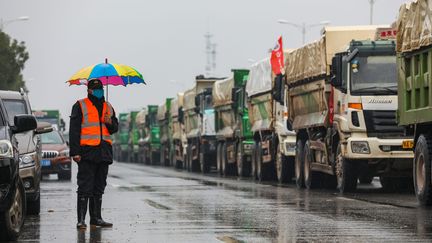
{"x": 227, "y": 168}
{"x": 243, "y": 168}
{"x": 282, "y": 172}
{"x": 162, "y": 155}
{"x": 346, "y": 173}
{"x": 219, "y": 159}
{"x": 422, "y": 170}
{"x": 254, "y": 161}
{"x": 261, "y": 169}
{"x": 204, "y": 163}
{"x": 299, "y": 164}
{"x": 312, "y": 179}
{"x": 12, "y": 220}
{"x": 33, "y": 207}
{"x": 195, "y": 166}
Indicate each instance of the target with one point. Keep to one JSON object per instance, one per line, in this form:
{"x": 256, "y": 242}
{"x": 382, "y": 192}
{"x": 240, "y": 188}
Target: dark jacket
{"x": 97, "y": 154}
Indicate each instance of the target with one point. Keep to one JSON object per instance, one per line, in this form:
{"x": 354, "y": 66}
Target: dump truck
{"x": 133, "y": 137}
{"x": 178, "y": 131}
{"x": 233, "y": 130}
{"x": 149, "y": 147}
{"x": 140, "y": 120}
{"x": 274, "y": 144}
{"x": 51, "y": 116}
{"x": 121, "y": 138}
{"x": 165, "y": 122}
{"x": 342, "y": 96}
{"x": 199, "y": 121}
{"x": 414, "y": 52}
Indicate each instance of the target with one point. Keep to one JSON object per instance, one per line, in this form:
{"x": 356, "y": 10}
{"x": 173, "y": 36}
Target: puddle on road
{"x": 136, "y": 188}
{"x": 228, "y": 239}
{"x": 156, "y": 205}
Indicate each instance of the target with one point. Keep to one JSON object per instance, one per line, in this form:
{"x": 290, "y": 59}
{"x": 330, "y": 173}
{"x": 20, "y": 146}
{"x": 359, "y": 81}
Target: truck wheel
{"x": 260, "y": 168}
{"x": 299, "y": 164}
{"x": 205, "y": 168}
{"x": 346, "y": 173}
{"x": 254, "y": 161}
{"x": 281, "y": 166}
{"x": 162, "y": 155}
{"x": 243, "y": 169}
{"x": 12, "y": 220}
{"x": 219, "y": 159}
{"x": 311, "y": 178}
{"x": 195, "y": 167}
{"x": 422, "y": 170}
{"x": 224, "y": 161}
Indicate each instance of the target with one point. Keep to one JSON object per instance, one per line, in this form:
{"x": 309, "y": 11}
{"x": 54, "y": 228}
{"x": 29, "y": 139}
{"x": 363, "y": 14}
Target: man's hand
{"x": 77, "y": 158}
{"x": 107, "y": 119}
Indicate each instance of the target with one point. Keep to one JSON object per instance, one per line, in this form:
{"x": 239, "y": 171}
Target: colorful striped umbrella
{"x": 109, "y": 74}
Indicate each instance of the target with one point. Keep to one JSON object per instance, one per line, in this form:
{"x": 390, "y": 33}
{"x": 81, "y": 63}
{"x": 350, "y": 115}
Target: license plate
{"x": 408, "y": 144}
{"x": 46, "y": 162}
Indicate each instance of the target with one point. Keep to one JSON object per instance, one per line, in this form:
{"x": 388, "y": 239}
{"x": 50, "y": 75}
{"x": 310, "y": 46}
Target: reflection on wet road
{"x": 155, "y": 204}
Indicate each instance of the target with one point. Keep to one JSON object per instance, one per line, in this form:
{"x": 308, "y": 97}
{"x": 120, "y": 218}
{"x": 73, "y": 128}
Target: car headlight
{"x": 6, "y": 149}
{"x": 27, "y": 160}
{"x": 64, "y": 153}
{"x": 360, "y": 147}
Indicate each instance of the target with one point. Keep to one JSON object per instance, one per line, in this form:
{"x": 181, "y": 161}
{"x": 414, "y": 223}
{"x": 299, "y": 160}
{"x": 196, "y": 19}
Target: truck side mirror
{"x": 234, "y": 96}
{"x": 279, "y": 89}
{"x": 336, "y": 71}
{"x": 180, "y": 115}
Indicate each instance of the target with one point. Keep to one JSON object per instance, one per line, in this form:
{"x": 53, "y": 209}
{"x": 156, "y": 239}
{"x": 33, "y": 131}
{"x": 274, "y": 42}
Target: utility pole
{"x": 371, "y": 3}
{"x": 211, "y": 55}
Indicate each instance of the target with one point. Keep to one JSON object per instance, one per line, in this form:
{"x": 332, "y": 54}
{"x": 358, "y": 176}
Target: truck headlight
{"x": 360, "y": 147}
{"x": 6, "y": 149}
{"x": 64, "y": 153}
{"x": 27, "y": 160}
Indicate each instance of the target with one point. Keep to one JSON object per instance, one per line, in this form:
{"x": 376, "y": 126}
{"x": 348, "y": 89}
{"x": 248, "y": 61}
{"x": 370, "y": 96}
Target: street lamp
{"x": 3, "y": 23}
{"x": 303, "y": 27}
{"x": 371, "y": 2}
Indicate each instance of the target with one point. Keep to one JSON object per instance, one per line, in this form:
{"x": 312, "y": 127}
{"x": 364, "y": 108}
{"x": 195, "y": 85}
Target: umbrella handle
{"x": 107, "y": 89}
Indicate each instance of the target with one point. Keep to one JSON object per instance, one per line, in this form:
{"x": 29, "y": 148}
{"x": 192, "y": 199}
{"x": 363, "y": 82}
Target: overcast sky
{"x": 163, "y": 39}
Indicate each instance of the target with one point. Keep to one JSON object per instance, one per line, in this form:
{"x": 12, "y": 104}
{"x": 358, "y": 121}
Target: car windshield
{"x": 374, "y": 74}
{"x": 52, "y": 138}
{"x": 13, "y": 108}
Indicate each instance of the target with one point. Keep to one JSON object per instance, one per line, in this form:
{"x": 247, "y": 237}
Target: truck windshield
{"x": 13, "y": 108}
{"x": 374, "y": 75}
{"x": 153, "y": 120}
{"x": 52, "y": 138}
{"x": 208, "y": 102}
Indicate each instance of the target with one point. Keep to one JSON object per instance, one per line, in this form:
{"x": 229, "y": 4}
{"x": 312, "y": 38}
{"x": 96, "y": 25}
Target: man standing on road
{"x": 91, "y": 124}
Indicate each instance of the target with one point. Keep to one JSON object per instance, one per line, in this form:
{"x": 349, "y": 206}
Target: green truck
{"x": 133, "y": 137}
{"x": 142, "y": 131}
{"x": 165, "y": 128}
{"x": 199, "y": 120}
{"x": 233, "y": 130}
{"x": 149, "y": 147}
{"x": 414, "y": 52}
{"x": 51, "y": 116}
{"x": 121, "y": 138}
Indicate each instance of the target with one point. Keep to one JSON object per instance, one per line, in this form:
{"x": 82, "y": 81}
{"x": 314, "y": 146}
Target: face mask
{"x": 98, "y": 93}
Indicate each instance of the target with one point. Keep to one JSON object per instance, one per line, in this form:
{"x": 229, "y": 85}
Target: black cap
{"x": 94, "y": 83}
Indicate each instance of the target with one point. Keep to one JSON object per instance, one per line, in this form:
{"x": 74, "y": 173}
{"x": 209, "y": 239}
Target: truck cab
{"x": 364, "y": 107}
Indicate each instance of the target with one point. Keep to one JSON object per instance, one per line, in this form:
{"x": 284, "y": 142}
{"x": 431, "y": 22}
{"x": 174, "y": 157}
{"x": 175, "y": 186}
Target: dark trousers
{"x": 91, "y": 178}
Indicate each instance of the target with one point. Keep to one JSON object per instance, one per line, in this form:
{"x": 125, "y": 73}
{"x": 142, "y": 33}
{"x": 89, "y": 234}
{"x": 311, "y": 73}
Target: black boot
{"x": 95, "y": 212}
{"x": 81, "y": 211}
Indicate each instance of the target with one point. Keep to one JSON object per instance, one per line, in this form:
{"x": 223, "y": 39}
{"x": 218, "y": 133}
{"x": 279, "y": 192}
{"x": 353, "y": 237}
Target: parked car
{"x": 55, "y": 155}
{"x": 29, "y": 147}
{"x": 12, "y": 192}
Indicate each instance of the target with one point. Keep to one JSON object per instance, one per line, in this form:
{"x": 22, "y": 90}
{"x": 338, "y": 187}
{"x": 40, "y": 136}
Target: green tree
{"x": 13, "y": 56}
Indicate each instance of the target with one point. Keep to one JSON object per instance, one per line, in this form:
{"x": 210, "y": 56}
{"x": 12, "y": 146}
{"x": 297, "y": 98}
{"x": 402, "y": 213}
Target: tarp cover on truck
{"x": 414, "y": 26}
{"x": 259, "y": 80}
{"x": 222, "y": 92}
{"x": 298, "y": 62}
{"x": 140, "y": 117}
{"x": 189, "y": 99}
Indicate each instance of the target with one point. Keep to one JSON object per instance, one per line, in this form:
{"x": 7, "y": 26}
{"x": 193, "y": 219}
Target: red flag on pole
{"x": 277, "y": 58}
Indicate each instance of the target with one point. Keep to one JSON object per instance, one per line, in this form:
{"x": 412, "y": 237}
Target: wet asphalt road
{"x": 156, "y": 204}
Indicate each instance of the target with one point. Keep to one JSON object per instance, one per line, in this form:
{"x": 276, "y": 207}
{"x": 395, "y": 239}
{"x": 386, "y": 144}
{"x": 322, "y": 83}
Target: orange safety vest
{"x": 91, "y": 123}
